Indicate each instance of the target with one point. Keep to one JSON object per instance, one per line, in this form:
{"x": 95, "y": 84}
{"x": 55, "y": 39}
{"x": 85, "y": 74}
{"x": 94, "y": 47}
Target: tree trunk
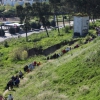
{"x": 63, "y": 22}
{"x": 26, "y": 35}
{"x": 69, "y": 20}
{"x": 46, "y": 31}
{"x": 58, "y": 25}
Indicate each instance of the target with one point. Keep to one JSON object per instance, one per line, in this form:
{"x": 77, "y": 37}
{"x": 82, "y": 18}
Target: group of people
{"x": 14, "y": 81}
{"x": 30, "y": 67}
{"x": 56, "y": 55}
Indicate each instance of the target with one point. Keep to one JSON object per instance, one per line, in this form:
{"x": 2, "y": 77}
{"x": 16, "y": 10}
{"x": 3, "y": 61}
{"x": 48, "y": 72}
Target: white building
{"x": 81, "y": 25}
{"x": 21, "y": 2}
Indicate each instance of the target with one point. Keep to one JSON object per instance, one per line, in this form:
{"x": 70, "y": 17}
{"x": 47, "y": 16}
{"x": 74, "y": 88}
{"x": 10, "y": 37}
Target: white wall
{"x": 81, "y": 25}
{"x": 21, "y": 2}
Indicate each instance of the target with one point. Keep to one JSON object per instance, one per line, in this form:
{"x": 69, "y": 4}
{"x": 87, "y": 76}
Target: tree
{"x": 27, "y": 12}
{"x": 24, "y": 14}
{"x": 55, "y": 6}
{"x": 42, "y": 11}
{"x": 20, "y": 13}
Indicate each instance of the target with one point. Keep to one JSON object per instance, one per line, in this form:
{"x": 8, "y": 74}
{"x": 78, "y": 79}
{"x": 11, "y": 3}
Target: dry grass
{"x": 50, "y": 95}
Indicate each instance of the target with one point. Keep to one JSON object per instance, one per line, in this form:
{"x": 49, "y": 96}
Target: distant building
{"x": 21, "y": 2}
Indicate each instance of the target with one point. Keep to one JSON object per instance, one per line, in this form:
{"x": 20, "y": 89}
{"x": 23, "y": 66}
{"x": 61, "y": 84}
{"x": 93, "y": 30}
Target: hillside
{"x": 74, "y": 75}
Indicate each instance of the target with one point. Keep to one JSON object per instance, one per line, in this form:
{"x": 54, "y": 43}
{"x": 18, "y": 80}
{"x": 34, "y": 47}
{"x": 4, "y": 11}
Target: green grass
{"x": 73, "y": 76}
{"x": 68, "y": 77}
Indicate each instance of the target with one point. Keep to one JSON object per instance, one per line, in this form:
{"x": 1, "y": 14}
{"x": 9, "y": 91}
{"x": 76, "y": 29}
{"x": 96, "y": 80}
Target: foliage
{"x": 2, "y": 32}
{"x": 18, "y": 54}
{"x": 24, "y": 55}
{"x": 12, "y": 30}
{"x": 35, "y": 25}
{"x": 26, "y": 27}
{"x": 92, "y": 26}
{"x": 66, "y": 29}
{"x": 9, "y": 11}
{"x": 53, "y": 23}
{"x": 73, "y": 75}
{"x": 6, "y": 44}
{"x": 2, "y": 8}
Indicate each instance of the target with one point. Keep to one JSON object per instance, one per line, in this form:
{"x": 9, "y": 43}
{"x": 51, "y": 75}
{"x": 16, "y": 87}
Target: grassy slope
{"x": 75, "y": 75}
{"x": 9, "y": 67}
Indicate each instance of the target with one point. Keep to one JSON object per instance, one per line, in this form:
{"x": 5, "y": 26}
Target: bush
{"x": 2, "y": 32}
{"x": 66, "y": 29}
{"x": 16, "y": 55}
{"x": 19, "y": 54}
{"x": 28, "y": 27}
{"x": 53, "y": 23}
{"x": 48, "y": 24}
{"x": 12, "y": 30}
{"x": 24, "y": 55}
{"x": 35, "y": 25}
{"x": 6, "y": 44}
{"x": 92, "y": 26}
{"x": 38, "y": 26}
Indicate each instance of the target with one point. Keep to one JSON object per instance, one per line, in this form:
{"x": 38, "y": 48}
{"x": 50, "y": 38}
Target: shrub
{"x": 38, "y": 26}
{"x": 92, "y": 26}
{"x": 48, "y": 24}
{"x": 35, "y": 25}
{"x": 2, "y": 32}
{"x": 6, "y": 44}
{"x": 19, "y": 54}
{"x": 12, "y": 30}
{"x": 53, "y": 23}
{"x": 28, "y": 27}
{"x": 16, "y": 54}
{"x": 66, "y": 29}
{"x": 24, "y": 55}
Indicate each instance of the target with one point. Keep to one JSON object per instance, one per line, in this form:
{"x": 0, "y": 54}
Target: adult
{"x": 1, "y": 97}
{"x": 10, "y": 97}
{"x": 17, "y": 81}
{"x": 68, "y": 49}
{"x": 26, "y": 68}
{"x": 34, "y": 63}
{"x": 20, "y": 74}
{"x": 31, "y": 67}
{"x": 10, "y": 84}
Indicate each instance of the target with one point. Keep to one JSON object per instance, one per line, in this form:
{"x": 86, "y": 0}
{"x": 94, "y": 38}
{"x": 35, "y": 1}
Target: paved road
{"x": 8, "y": 35}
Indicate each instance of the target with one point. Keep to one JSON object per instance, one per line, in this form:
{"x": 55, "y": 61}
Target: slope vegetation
{"x": 73, "y": 76}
